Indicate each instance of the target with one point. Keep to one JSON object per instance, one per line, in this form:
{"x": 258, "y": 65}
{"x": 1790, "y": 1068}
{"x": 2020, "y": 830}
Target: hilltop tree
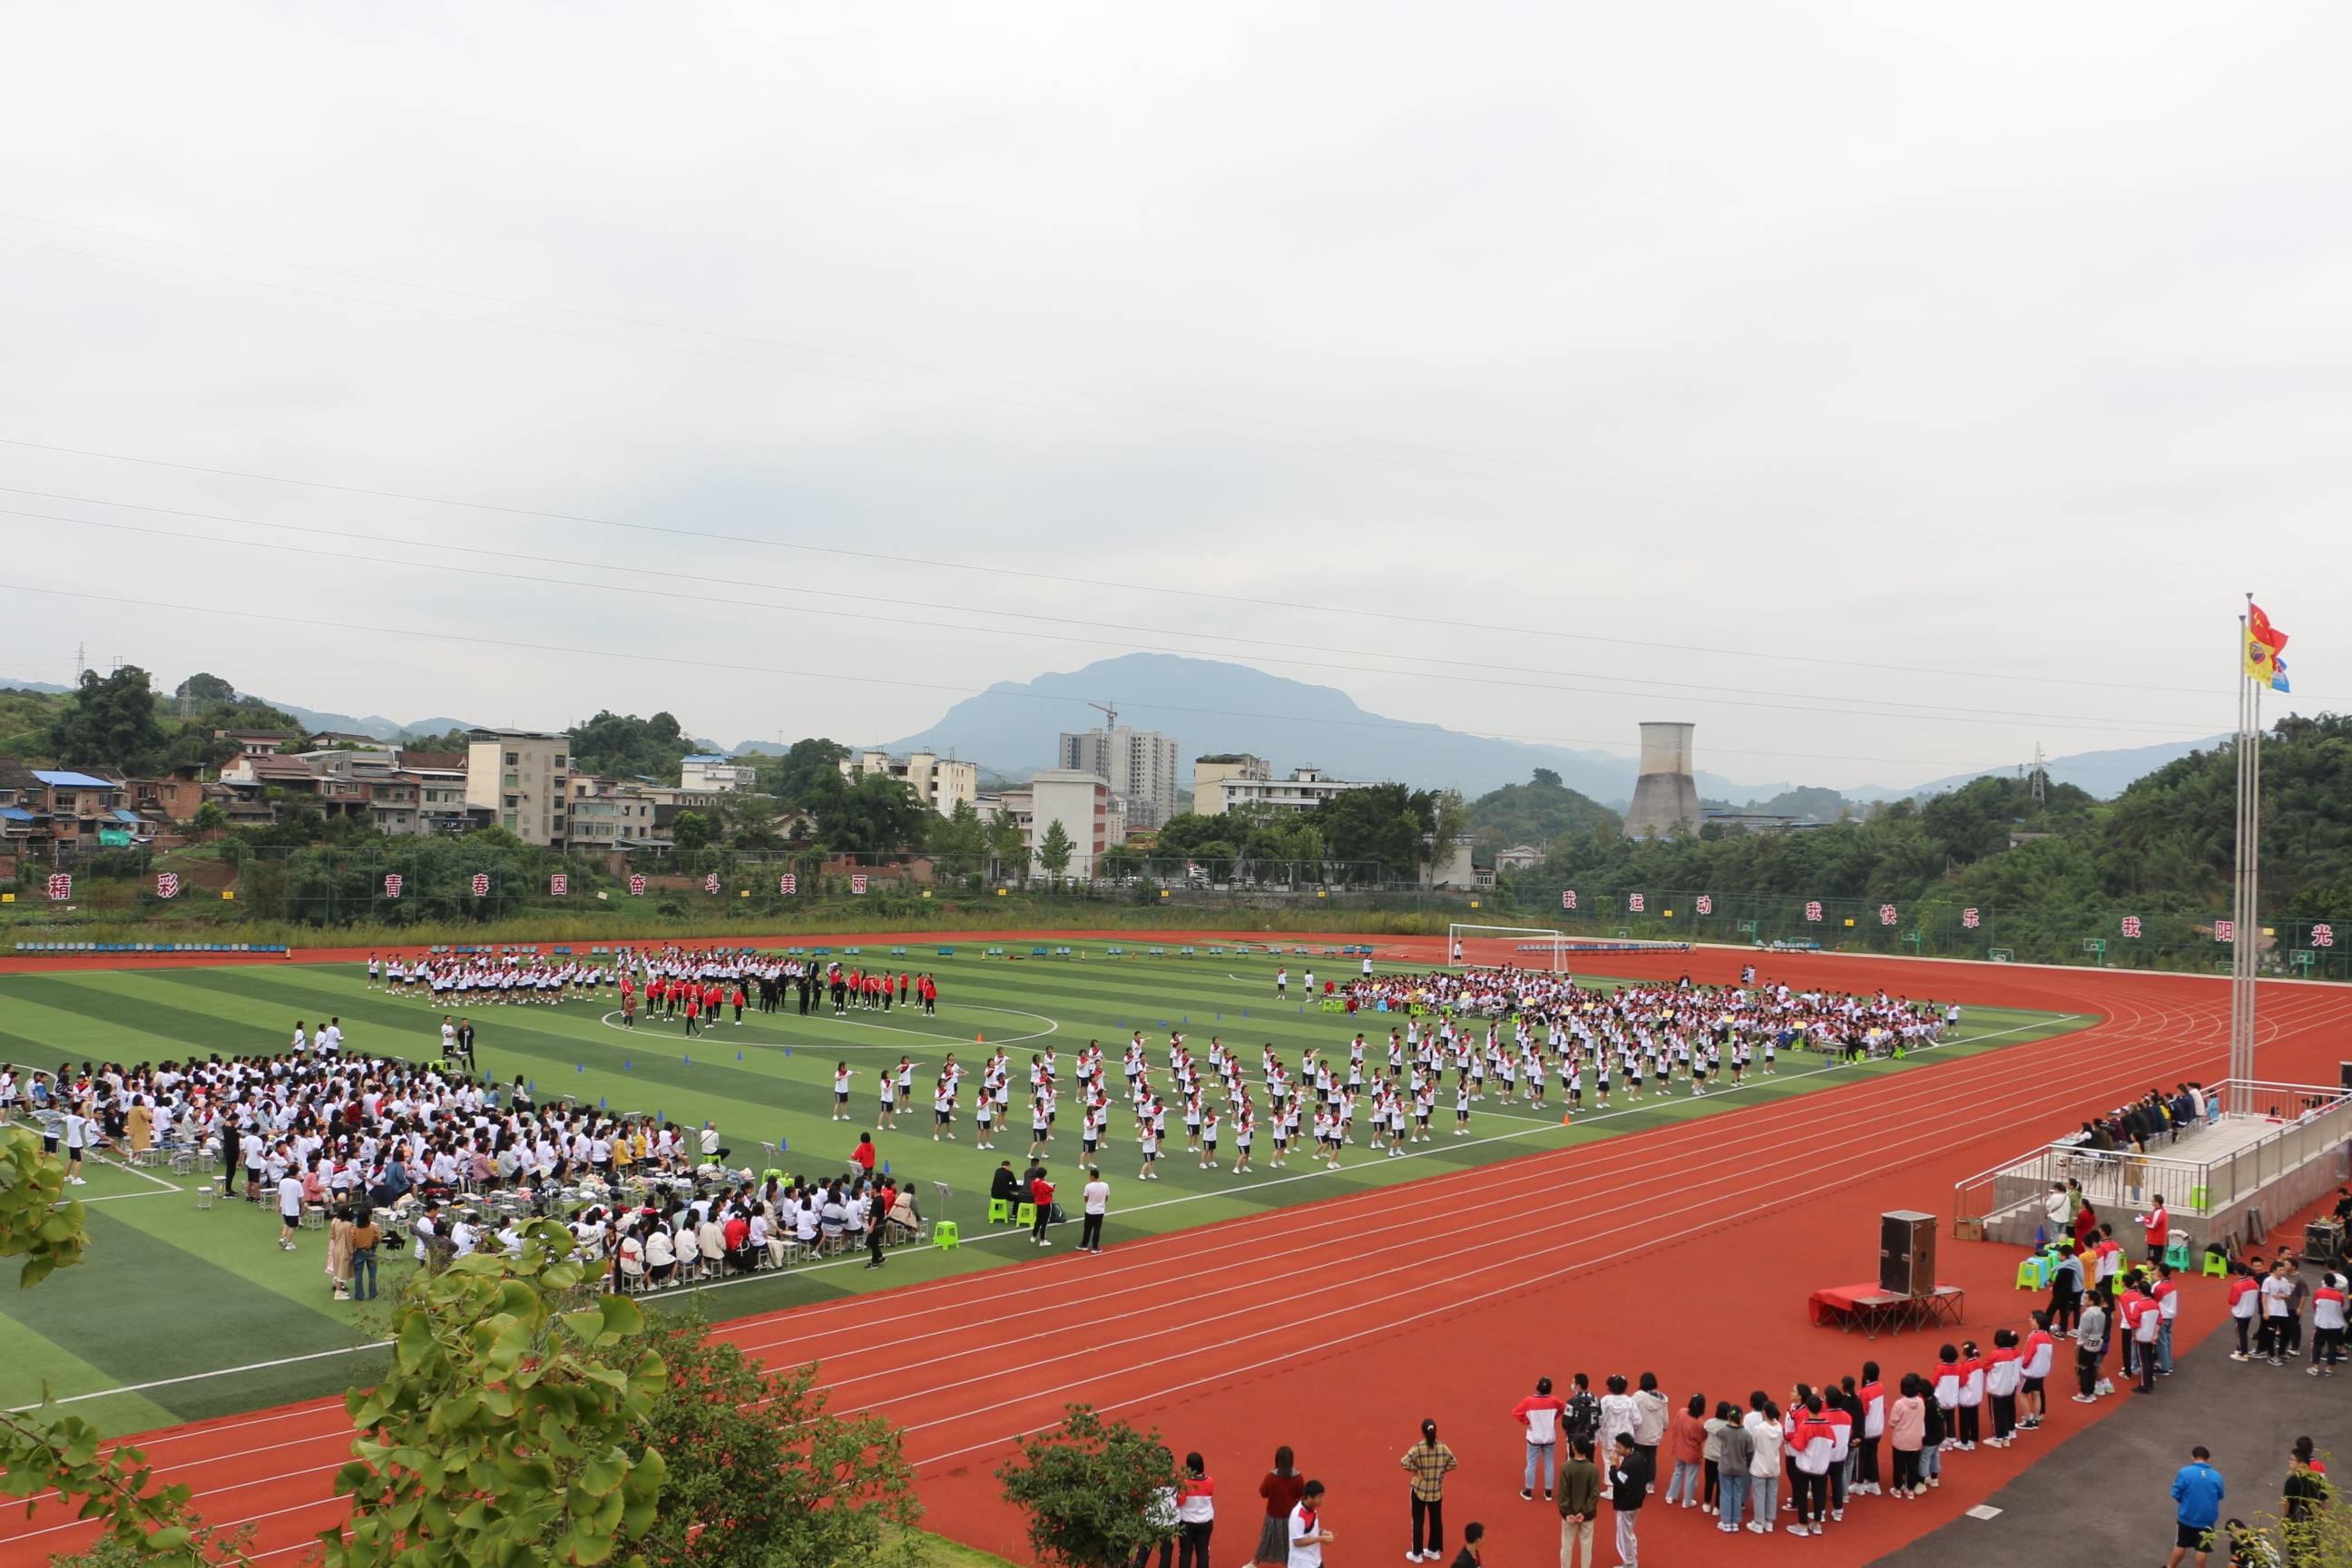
{"x": 621, "y": 745}
{"x": 203, "y": 689}
{"x": 108, "y": 721}
{"x": 807, "y": 770}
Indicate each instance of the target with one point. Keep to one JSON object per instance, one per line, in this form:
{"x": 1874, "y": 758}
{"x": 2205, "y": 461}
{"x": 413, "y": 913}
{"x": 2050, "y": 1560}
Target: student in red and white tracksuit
{"x": 2041, "y": 1355}
{"x": 2167, "y": 1293}
{"x": 2001, "y": 1376}
{"x": 1873, "y": 1394}
{"x": 1972, "y": 1391}
{"x": 1810, "y": 1442}
{"x": 2245, "y": 1299}
{"x": 2327, "y": 1305}
{"x": 2145, "y": 1325}
{"x": 1841, "y": 1425}
{"x": 1945, "y": 1384}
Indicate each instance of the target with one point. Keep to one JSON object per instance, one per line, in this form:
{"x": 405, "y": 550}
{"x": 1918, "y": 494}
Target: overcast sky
{"x": 2007, "y": 342}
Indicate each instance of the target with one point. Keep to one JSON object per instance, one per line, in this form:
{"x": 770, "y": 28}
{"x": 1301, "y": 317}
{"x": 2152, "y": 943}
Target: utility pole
{"x": 81, "y": 661}
{"x": 2041, "y": 777}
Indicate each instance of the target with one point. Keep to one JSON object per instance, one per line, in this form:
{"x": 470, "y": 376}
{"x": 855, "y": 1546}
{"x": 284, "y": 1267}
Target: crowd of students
{"x": 695, "y": 987}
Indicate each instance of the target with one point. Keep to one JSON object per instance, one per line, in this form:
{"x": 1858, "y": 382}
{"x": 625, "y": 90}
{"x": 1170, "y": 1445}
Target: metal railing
{"x": 2308, "y": 1121}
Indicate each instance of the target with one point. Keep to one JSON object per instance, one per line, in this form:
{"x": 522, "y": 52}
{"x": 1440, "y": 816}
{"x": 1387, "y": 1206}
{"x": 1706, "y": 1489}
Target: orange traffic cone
{"x": 1564, "y": 1119}
{"x": 978, "y": 1039}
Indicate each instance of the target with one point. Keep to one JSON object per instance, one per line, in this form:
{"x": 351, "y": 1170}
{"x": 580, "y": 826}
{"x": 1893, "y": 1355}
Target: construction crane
{"x": 1110, "y": 713}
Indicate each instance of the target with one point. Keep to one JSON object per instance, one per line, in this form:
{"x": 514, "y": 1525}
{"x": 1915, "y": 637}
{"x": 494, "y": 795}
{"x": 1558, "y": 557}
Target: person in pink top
{"x": 1907, "y": 1432}
{"x": 1539, "y": 1413}
{"x": 1687, "y": 1446}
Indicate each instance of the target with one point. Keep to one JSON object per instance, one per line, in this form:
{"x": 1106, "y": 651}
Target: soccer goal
{"x": 1532, "y": 947}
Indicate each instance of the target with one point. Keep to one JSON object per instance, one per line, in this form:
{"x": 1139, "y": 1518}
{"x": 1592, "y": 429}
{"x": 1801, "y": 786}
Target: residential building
{"x": 1140, "y": 766}
{"x": 257, "y": 742}
{"x": 1453, "y": 867}
{"x": 611, "y": 814}
{"x": 720, "y": 774}
{"x": 440, "y": 780}
{"x": 171, "y": 797}
{"x": 69, "y": 814}
{"x": 1304, "y": 790}
{"x": 330, "y": 739}
{"x": 1210, "y": 772}
{"x": 1518, "y": 858}
{"x": 1079, "y": 801}
{"x": 939, "y": 783}
{"x": 523, "y": 776}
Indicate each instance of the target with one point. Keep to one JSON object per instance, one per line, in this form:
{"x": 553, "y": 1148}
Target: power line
{"x": 1619, "y": 640}
{"x": 1932, "y": 712}
{"x": 1999, "y": 546}
{"x": 636, "y": 657}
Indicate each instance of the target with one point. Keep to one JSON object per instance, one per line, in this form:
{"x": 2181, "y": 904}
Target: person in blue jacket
{"x": 2197, "y": 1491}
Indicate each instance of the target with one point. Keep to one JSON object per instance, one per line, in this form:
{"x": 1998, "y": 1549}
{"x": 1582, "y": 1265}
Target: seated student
{"x": 905, "y": 1220}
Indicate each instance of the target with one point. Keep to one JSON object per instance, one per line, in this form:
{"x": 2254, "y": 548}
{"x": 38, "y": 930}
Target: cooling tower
{"x": 1666, "y": 794}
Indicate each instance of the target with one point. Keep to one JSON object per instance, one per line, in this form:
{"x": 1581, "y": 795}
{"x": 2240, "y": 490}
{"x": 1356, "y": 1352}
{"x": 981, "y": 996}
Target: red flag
{"x": 2259, "y": 628}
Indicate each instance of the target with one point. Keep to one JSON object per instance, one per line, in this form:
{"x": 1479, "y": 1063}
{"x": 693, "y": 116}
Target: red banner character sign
{"x": 1568, "y": 897}
{"x": 2323, "y": 935}
{"x": 788, "y": 884}
{"x": 857, "y": 882}
{"x": 1706, "y": 905}
{"x": 1633, "y": 902}
{"x": 392, "y": 886}
{"x": 1814, "y": 910}
{"x": 2131, "y": 925}
{"x": 481, "y": 885}
{"x": 559, "y": 884}
{"x": 1969, "y": 917}
{"x": 1886, "y": 914}
{"x": 636, "y": 887}
{"x": 2225, "y": 930}
{"x": 167, "y": 884}
{"x": 710, "y": 883}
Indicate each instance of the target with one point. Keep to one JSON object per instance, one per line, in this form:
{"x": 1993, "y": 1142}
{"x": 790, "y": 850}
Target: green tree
{"x": 621, "y": 745}
{"x": 47, "y": 1449}
{"x": 507, "y": 1430}
{"x": 1008, "y": 848}
{"x": 203, "y": 689}
{"x": 761, "y": 1474}
{"x": 1088, "y": 1486}
{"x": 210, "y": 818}
{"x": 1054, "y": 850}
{"x": 692, "y": 832}
{"x": 795, "y": 777}
{"x": 108, "y": 721}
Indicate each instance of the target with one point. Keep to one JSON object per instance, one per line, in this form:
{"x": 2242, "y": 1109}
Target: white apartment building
{"x": 720, "y": 775}
{"x": 523, "y": 777}
{"x": 609, "y": 814}
{"x": 1079, "y": 801}
{"x": 1304, "y": 790}
{"x": 1210, "y": 772}
{"x": 1140, "y": 766}
{"x": 938, "y": 782}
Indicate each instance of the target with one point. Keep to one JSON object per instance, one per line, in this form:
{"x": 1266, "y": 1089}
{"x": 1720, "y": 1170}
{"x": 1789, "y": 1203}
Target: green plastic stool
{"x": 2216, "y": 1266}
{"x": 2176, "y": 1254}
{"x": 944, "y": 1234}
{"x": 2030, "y": 1273}
{"x": 1000, "y": 1210}
{"x": 2197, "y": 1198}
{"x": 1026, "y": 1214}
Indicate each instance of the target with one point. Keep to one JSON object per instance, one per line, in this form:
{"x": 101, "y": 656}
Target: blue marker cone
{"x": 599, "y": 1102}
{"x": 625, "y": 1064}
{"x": 579, "y": 1067}
{"x": 886, "y": 1167}
{"x": 1220, "y": 1017}
{"x": 690, "y": 1061}
{"x": 534, "y": 1088}
{"x": 782, "y": 1144}
{"x": 739, "y": 1056}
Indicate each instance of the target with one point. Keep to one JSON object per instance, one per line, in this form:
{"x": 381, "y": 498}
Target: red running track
{"x": 1337, "y": 1325}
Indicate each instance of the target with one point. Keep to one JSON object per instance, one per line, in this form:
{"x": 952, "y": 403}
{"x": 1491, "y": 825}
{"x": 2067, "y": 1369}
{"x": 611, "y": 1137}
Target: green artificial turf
{"x": 204, "y": 1307}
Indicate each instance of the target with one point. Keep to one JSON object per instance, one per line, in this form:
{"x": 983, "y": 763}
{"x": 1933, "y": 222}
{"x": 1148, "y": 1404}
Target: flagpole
{"x": 2238, "y": 1024}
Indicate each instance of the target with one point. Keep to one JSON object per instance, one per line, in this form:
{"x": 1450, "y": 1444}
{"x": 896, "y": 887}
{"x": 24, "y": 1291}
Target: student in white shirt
{"x": 1097, "y": 1199}
{"x": 1308, "y": 1535}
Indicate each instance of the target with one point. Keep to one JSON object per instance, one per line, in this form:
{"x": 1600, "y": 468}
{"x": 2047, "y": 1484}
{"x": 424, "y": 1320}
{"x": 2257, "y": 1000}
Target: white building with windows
{"x": 1141, "y": 766}
{"x": 523, "y": 778}
{"x": 939, "y": 783}
{"x": 720, "y": 775}
{"x": 1304, "y": 790}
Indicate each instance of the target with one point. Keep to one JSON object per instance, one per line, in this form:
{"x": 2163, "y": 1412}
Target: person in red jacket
{"x": 1810, "y": 1441}
{"x": 2037, "y": 1360}
{"x": 2002, "y": 1369}
{"x": 1041, "y": 1192}
{"x": 2160, "y": 1230}
{"x": 1539, "y": 1413}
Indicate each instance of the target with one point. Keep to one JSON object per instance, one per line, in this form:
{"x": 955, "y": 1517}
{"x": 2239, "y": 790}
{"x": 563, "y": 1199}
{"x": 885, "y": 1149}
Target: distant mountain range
{"x": 1211, "y": 706}
{"x": 1013, "y": 728}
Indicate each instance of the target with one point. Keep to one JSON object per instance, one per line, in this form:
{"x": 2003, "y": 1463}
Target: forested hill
{"x": 2163, "y": 846}
{"x": 1536, "y": 813}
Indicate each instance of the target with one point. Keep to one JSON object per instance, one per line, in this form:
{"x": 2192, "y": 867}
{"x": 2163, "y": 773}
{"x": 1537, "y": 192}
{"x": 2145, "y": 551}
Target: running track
{"x": 1337, "y": 1325}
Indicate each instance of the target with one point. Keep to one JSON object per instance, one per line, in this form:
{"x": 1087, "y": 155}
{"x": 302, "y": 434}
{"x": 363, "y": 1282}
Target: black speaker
{"x": 2345, "y": 1069}
{"x": 1907, "y": 1252}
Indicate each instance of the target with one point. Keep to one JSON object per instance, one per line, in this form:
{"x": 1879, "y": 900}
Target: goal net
{"x": 1529, "y": 947}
